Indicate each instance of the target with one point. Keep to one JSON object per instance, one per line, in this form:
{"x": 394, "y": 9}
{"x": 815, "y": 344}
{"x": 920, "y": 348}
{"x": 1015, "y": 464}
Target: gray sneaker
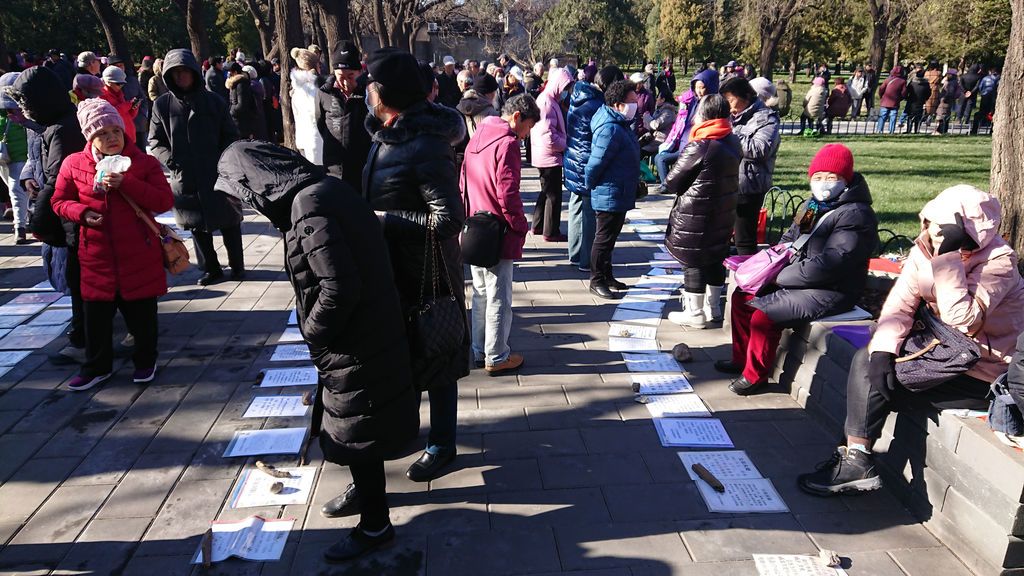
{"x": 846, "y": 471}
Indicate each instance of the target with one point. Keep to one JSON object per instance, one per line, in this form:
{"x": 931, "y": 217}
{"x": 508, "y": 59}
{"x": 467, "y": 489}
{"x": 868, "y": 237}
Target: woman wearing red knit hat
{"x": 838, "y": 231}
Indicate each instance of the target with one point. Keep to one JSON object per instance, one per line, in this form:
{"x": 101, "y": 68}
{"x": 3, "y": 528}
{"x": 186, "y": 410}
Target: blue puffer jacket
{"x": 613, "y": 169}
{"x": 585, "y": 101}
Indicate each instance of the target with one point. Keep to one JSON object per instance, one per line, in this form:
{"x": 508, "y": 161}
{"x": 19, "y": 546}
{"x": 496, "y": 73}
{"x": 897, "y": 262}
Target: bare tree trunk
{"x": 334, "y": 17}
{"x": 879, "y": 10}
{"x": 1008, "y": 134}
{"x": 263, "y": 25}
{"x": 380, "y": 24}
{"x": 288, "y": 21}
{"x": 114, "y": 31}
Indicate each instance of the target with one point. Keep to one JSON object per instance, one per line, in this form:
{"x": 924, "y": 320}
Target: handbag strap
{"x": 138, "y": 212}
{"x": 800, "y": 242}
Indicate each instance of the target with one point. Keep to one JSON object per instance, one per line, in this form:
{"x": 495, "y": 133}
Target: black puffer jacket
{"x": 244, "y": 107}
{"x": 410, "y": 175}
{"x": 341, "y": 122}
{"x": 44, "y": 100}
{"x": 705, "y": 182}
{"x": 187, "y": 133}
{"x": 828, "y": 277}
{"x": 348, "y": 307}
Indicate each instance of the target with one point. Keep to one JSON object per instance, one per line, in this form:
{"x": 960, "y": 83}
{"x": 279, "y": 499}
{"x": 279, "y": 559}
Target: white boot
{"x": 713, "y": 303}
{"x": 692, "y": 315}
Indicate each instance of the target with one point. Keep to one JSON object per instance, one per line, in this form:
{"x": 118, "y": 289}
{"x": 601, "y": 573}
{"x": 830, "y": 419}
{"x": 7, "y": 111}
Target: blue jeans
{"x": 663, "y": 160}
{"x": 890, "y": 114}
{"x": 582, "y": 226}
{"x": 492, "y": 312}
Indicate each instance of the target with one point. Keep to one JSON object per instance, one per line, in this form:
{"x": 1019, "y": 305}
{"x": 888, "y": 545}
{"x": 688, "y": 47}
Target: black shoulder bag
{"x": 483, "y": 234}
{"x": 934, "y": 352}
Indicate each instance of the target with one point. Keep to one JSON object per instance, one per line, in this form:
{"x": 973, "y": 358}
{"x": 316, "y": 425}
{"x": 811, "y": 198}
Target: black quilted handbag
{"x": 437, "y": 324}
{"x": 934, "y": 353}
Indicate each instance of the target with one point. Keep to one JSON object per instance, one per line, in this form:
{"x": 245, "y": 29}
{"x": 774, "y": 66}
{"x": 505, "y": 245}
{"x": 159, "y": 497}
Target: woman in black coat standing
{"x": 411, "y": 183}
{"x": 366, "y": 408}
{"x": 705, "y": 180}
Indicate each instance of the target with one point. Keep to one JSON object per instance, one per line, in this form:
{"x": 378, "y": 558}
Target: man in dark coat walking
{"x": 340, "y": 117}
{"x": 448, "y": 92}
{"x": 189, "y": 130}
{"x": 366, "y": 408}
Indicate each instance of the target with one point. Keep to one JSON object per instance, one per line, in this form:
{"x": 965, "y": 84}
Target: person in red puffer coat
{"x": 121, "y": 257}
{"x": 114, "y": 80}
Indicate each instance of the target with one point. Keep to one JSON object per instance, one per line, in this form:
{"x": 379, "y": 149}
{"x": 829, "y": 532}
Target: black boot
{"x": 616, "y": 285}
{"x": 347, "y": 504}
{"x": 358, "y": 543}
{"x": 847, "y": 471}
{"x": 602, "y": 291}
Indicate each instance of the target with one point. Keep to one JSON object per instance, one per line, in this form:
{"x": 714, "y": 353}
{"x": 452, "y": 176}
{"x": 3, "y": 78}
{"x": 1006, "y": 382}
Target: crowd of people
{"x": 404, "y": 172}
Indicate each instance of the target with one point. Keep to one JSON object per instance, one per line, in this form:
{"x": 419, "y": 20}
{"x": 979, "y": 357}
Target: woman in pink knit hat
{"x": 121, "y": 256}
{"x": 834, "y": 234}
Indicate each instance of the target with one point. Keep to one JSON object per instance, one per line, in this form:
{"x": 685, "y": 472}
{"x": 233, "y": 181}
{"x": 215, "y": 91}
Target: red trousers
{"x": 755, "y": 339}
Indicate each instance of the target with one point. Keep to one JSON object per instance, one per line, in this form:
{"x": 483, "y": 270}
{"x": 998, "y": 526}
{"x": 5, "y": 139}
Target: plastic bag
{"x": 116, "y": 164}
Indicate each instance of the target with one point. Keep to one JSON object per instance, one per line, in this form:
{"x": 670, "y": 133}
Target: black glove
{"x": 954, "y": 237}
{"x": 882, "y": 373}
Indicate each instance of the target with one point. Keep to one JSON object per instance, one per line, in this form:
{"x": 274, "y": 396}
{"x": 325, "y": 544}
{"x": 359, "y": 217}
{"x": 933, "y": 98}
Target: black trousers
{"x": 914, "y": 122}
{"x": 141, "y": 319}
{"x": 206, "y": 254}
{"x": 696, "y": 279}
{"x": 747, "y": 212}
{"x": 609, "y": 225}
{"x": 73, "y": 275}
{"x": 547, "y": 216}
{"x": 867, "y": 409}
{"x": 371, "y": 486}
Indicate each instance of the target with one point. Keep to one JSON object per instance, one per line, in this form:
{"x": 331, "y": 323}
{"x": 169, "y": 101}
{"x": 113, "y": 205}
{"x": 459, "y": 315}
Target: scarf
{"x": 711, "y": 130}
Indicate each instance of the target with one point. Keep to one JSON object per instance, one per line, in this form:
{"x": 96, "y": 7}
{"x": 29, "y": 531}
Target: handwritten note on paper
{"x": 632, "y": 331}
{"x": 636, "y": 316}
{"x": 52, "y": 317}
{"x": 290, "y": 335}
{"x": 256, "y": 442}
{"x": 793, "y": 565}
{"x": 752, "y": 495}
{"x": 253, "y": 489}
{"x": 677, "y": 406}
{"x": 290, "y": 353}
{"x": 303, "y": 376}
{"x": 692, "y": 432}
{"x": 618, "y": 344}
{"x": 661, "y": 362}
{"x": 275, "y": 407}
{"x": 251, "y": 539}
{"x": 724, "y": 464}
{"x": 649, "y": 384}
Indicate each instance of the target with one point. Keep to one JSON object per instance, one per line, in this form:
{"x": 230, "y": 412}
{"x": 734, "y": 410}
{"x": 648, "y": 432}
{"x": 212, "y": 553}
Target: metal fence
{"x": 864, "y": 126}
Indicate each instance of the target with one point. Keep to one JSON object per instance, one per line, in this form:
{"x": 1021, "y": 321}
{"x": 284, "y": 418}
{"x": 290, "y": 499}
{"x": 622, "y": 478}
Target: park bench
{"x": 949, "y": 470}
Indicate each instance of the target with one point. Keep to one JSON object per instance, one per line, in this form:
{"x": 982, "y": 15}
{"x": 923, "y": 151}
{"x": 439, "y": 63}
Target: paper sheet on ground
{"x": 631, "y": 331}
{"x": 44, "y": 286}
{"x": 662, "y": 362}
{"x": 293, "y": 318}
{"x": 649, "y": 229}
{"x": 620, "y": 344}
{"x": 290, "y": 353}
{"x": 653, "y": 306}
{"x": 52, "y": 317}
{"x": 275, "y": 407}
{"x": 724, "y": 464}
{"x": 256, "y": 442}
{"x": 636, "y": 316}
{"x": 793, "y": 565}
{"x": 666, "y": 264}
{"x": 251, "y": 539}
{"x": 253, "y": 489}
{"x": 659, "y": 283}
{"x": 13, "y": 357}
{"x": 4, "y": 370}
{"x": 664, "y": 256}
{"x": 652, "y": 237}
{"x": 12, "y": 309}
{"x": 302, "y": 376}
{"x": 661, "y": 384}
{"x": 645, "y": 295}
{"x": 12, "y": 321}
{"x": 640, "y": 221}
{"x": 27, "y": 337}
{"x": 692, "y": 432}
{"x": 291, "y": 335}
{"x": 64, "y": 302}
{"x": 752, "y": 495}
{"x": 677, "y": 406}
{"x": 37, "y": 298}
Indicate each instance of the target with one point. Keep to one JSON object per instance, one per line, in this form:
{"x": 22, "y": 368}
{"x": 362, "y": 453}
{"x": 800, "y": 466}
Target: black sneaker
{"x": 846, "y": 471}
{"x": 358, "y": 543}
{"x": 345, "y": 505}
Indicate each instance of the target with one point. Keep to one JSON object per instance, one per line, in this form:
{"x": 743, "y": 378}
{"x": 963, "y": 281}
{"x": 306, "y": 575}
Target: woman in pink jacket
{"x": 967, "y": 276}
{"x": 548, "y": 141}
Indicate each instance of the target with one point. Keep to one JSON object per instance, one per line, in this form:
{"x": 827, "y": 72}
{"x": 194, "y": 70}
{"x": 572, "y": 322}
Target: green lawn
{"x": 903, "y": 172}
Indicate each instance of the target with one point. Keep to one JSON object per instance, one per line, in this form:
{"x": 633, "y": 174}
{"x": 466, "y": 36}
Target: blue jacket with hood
{"x": 613, "y": 169}
{"x": 585, "y": 101}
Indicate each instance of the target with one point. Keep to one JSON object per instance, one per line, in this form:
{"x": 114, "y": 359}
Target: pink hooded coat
{"x": 982, "y": 293}
{"x": 548, "y": 137}
{"x": 490, "y": 179}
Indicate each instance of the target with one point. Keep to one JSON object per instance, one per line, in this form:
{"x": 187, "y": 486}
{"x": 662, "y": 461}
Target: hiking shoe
{"x": 511, "y": 364}
{"x": 143, "y": 375}
{"x": 846, "y": 471}
{"x": 80, "y": 383}
{"x": 358, "y": 543}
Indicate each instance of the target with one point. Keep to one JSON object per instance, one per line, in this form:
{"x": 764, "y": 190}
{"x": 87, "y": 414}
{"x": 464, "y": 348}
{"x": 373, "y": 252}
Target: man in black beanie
{"x": 340, "y": 115}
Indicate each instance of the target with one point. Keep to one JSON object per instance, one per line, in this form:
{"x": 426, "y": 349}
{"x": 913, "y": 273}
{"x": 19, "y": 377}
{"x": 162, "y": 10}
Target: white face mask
{"x": 824, "y": 191}
{"x": 630, "y": 110}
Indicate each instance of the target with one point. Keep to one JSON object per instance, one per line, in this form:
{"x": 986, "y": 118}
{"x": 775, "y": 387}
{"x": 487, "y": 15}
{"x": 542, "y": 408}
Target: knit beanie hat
{"x": 251, "y": 71}
{"x": 346, "y": 57}
{"x": 94, "y": 114}
{"x": 485, "y": 84}
{"x": 7, "y": 80}
{"x": 764, "y": 87}
{"x": 818, "y": 81}
{"x": 397, "y": 70}
{"x": 305, "y": 59}
{"x": 88, "y": 84}
{"x": 833, "y": 158}
{"x": 114, "y": 75}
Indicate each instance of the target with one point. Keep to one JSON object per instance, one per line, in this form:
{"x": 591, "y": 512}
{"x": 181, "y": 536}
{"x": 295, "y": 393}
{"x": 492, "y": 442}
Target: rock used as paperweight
{"x": 681, "y": 352}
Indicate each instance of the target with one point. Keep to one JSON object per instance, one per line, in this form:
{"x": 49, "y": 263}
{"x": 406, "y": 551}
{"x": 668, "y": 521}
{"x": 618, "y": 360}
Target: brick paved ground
{"x": 559, "y": 472}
